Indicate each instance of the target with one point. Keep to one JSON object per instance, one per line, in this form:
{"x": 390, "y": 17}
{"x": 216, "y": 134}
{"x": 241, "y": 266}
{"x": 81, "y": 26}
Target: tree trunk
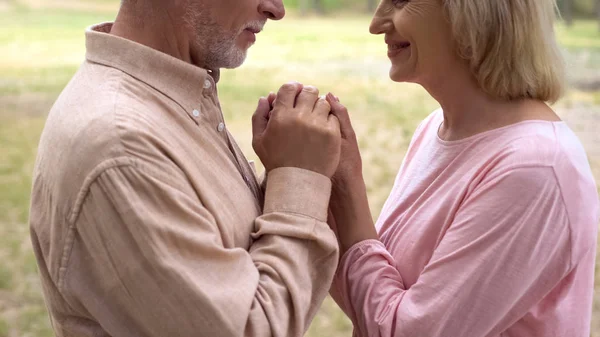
{"x": 568, "y": 12}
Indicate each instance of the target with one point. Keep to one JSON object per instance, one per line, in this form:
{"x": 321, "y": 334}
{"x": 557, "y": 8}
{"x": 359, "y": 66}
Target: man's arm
{"x": 160, "y": 268}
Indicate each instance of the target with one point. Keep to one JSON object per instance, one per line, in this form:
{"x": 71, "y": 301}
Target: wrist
{"x": 344, "y": 185}
{"x": 349, "y": 206}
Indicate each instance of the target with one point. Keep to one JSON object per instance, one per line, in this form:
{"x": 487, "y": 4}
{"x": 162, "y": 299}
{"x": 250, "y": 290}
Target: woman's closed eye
{"x": 399, "y": 3}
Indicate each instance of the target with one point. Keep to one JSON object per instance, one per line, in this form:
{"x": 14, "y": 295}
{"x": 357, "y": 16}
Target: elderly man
{"x": 147, "y": 220}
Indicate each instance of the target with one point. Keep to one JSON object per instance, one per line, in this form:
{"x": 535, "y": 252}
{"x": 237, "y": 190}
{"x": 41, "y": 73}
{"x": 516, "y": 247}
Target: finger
{"x": 271, "y": 98}
{"x": 260, "y": 117}
{"x": 286, "y": 96}
{"x": 334, "y": 124}
{"x": 322, "y": 108}
{"x": 307, "y": 98}
{"x": 341, "y": 112}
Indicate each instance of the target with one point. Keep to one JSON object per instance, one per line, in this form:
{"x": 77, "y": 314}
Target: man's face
{"x": 221, "y": 31}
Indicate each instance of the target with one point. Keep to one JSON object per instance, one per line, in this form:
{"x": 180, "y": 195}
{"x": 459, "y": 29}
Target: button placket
{"x": 208, "y": 92}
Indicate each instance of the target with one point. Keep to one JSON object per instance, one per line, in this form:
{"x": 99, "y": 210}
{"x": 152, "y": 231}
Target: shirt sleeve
{"x": 506, "y": 248}
{"x": 160, "y": 268}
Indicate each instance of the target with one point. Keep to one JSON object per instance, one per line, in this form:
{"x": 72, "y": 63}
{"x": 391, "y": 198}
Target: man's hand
{"x": 297, "y": 132}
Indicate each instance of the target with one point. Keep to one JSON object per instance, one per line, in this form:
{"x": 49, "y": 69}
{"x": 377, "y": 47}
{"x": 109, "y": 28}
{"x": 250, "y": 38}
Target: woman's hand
{"x": 349, "y": 205}
{"x": 350, "y": 166}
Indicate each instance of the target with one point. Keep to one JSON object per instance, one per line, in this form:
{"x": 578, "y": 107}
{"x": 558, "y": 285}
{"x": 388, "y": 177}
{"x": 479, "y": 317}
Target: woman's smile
{"x": 396, "y": 48}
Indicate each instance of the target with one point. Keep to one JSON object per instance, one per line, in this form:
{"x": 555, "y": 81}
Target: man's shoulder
{"x": 101, "y": 104}
{"x": 99, "y": 90}
{"x": 101, "y": 115}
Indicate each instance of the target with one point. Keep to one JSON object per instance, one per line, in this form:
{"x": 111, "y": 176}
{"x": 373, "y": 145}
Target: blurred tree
{"x": 598, "y": 13}
{"x": 311, "y": 5}
{"x": 577, "y": 8}
{"x": 303, "y": 7}
{"x": 567, "y": 12}
{"x": 371, "y": 4}
{"x": 318, "y": 6}
{"x": 570, "y": 9}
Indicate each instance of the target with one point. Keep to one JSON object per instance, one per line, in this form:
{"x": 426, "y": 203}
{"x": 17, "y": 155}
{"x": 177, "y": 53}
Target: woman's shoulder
{"x": 550, "y": 153}
{"x": 538, "y": 143}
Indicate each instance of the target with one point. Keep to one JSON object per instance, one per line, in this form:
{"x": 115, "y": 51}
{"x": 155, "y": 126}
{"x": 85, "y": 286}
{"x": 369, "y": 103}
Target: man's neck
{"x": 159, "y": 29}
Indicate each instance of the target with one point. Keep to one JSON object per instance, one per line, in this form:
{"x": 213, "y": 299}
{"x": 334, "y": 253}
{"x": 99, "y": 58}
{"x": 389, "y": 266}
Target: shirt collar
{"x": 181, "y": 81}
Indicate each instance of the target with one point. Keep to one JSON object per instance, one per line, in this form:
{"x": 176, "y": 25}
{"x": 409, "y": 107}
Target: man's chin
{"x": 237, "y": 60}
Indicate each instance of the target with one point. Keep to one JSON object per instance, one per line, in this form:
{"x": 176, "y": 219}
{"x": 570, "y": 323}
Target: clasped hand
{"x": 297, "y": 128}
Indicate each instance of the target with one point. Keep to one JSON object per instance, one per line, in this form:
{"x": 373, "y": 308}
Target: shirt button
{"x": 221, "y": 127}
{"x": 196, "y": 113}
{"x": 207, "y": 84}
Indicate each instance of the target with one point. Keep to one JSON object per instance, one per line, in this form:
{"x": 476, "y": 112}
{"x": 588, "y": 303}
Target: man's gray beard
{"x": 219, "y": 48}
{"x": 223, "y": 53}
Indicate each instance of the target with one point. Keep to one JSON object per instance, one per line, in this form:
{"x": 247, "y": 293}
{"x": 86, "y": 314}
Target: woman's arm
{"x": 507, "y": 248}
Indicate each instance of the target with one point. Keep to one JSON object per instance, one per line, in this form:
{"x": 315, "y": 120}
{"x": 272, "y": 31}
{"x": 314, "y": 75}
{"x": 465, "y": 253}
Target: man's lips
{"x": 251, "y": 35}
{"x": 253, "y": 30}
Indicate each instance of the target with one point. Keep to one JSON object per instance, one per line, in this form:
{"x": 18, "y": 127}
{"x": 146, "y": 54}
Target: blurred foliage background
{"x": 324, "y": 43}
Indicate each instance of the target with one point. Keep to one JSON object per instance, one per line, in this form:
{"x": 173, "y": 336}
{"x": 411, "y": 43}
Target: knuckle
{"x": 323, "y": 104}
{"x": 311, "y": 89}
{"x": 289, "y": 87}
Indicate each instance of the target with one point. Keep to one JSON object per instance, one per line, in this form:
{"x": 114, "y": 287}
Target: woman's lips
{"x": 394, "y": 49}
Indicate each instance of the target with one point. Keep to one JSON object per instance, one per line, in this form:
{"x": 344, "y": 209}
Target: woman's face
{"x": 419, "y": 39}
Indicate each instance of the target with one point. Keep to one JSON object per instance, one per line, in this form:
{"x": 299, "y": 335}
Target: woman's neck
{"x": 468, "y": 110}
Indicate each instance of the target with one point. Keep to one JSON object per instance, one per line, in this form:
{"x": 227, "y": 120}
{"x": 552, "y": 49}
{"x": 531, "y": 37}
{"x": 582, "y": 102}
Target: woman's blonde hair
{"x": 511, "y": 46}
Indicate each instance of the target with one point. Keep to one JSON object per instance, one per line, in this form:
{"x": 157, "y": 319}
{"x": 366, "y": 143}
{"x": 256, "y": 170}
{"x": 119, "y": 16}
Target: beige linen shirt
{"x": 147, "y": 220}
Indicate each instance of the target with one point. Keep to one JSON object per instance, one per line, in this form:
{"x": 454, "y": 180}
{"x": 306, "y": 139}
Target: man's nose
{"x": 272, "y": 9}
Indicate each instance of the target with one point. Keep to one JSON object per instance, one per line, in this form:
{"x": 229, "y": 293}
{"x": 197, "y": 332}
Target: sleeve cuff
{"x": 295, "y": 190}
{"x": 360, "y": 248}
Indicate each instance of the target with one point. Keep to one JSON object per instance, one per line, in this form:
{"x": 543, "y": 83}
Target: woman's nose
{"x": 381, "y": 21}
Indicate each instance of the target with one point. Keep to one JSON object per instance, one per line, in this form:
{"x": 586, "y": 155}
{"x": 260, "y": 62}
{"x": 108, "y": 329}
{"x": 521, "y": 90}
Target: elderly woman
{"x": 490, "y": 229}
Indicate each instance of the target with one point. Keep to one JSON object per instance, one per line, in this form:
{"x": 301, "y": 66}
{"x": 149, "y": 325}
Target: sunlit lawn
{"x": 41, "y": 49}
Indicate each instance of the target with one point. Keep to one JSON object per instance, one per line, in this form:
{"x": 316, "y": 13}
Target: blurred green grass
{"x": 42, "y": 48}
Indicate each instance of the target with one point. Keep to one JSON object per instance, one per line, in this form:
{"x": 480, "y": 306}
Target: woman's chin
{"x": 398, "y": 74}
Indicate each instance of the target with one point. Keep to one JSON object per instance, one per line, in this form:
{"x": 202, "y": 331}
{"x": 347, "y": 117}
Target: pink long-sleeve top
{"x": 489, "y": 236}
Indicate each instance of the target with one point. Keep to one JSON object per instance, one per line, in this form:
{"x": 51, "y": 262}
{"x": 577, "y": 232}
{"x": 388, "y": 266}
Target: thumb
{"x": 260, "y": 117}
{"x": 341, "y": 112}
